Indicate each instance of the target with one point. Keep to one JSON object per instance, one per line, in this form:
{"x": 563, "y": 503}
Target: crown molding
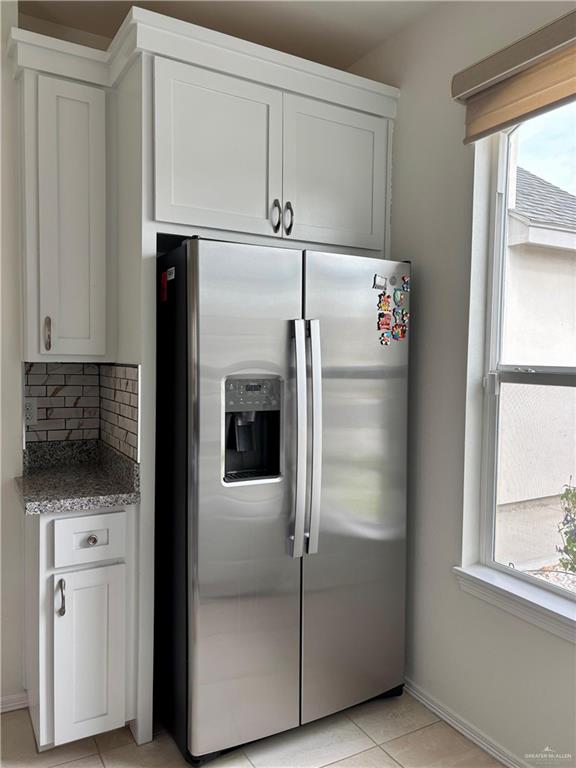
{"x": 144, "y": 31}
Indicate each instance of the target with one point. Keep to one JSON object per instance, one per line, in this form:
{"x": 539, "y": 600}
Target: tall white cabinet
{"x": 71, "y": 217}
{"x": 66, "y": 254}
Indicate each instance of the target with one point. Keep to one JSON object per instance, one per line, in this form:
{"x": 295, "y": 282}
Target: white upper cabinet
{"x": 218, "y": 144}
{"x": 234, "y": 155}
{"x": 334, "y": 174}
{"x": 89, "y": 652}
{"x": 71, "y": 149}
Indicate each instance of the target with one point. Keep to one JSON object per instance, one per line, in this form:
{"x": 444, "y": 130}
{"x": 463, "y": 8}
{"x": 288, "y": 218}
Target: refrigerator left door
{"x": 244, "y": 599}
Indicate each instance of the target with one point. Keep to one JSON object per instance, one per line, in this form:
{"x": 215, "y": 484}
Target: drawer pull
{"x": 92, "y": 540}
{"x": 62, "y": 587}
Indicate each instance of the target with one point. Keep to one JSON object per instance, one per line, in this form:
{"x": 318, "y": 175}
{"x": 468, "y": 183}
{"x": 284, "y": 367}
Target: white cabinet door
{"x": 89, "y": 652}
{"x": 335, "y": 174}
{"x": 218, "y": 152}
{"x": 71, "y": 218}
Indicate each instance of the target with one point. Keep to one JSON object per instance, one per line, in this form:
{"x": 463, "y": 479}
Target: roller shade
{"x": 531, "y": 76}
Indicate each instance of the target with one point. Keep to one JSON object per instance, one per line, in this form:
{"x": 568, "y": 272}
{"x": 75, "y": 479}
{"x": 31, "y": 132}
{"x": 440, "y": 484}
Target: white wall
{"x": 511, "y": 680}
{"x": 79, "y": 36}
{"x": 12, "y": 516}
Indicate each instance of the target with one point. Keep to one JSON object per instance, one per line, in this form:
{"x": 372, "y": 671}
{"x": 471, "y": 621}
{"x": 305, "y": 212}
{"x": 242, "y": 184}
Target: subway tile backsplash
{"x": 119, "y": 408}
{"x": 67, "y": 399}
{"x": 84, "y": 401}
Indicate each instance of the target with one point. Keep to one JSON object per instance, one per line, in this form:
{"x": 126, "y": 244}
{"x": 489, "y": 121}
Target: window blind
{"x": 531, "y": 76}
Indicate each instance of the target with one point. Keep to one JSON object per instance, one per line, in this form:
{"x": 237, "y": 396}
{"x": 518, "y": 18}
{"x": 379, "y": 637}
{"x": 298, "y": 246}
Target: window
{"x": 530, "y": 381}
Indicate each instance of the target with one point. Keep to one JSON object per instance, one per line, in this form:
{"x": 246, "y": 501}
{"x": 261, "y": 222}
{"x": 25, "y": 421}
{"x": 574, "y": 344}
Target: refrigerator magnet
{"x": 405, "y": 283}
{"x": 400, "y": 315}
{"x": 400, "y": 297}
{"x": 399, "y": 331}
{"x": 380, "y": 282}
{"x": 385, "y": 338}
{"x": 384, "y": 302}
{"x": 384, "y": 321}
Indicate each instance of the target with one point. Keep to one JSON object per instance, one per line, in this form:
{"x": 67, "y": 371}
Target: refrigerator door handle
{"x": 297, "y": 538}
{"x": 316, "y": 480}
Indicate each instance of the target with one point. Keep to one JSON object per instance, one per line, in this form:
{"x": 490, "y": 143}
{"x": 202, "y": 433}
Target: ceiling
{"x": 332, "y": 33}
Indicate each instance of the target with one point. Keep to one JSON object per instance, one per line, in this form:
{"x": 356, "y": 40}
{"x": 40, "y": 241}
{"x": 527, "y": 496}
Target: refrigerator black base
{"x": 398, "y": 691}
{"x": 203, "y": 759}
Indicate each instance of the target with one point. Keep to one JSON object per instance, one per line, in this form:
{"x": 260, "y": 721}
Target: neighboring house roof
{"x": 542, "y": 202}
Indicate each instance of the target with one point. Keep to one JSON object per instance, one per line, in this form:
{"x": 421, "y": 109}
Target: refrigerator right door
{"x": 353, "y": 587}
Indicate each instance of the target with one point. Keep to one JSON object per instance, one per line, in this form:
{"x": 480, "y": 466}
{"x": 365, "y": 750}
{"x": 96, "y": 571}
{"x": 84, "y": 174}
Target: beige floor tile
{"x": 121, "y": 737}
{"x": 160, "y": 753}
{"x": 372, "y": 758}
{"x": 93, "y": 761}
{"x": 163, "y": 753}
{"x": 310, "y": 746}
{"x": 438, "y": 746}
{"x": 19, "y": 747}
{"x": 385, "y": 719}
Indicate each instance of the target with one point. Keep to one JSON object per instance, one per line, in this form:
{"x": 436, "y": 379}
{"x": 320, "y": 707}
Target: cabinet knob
{"x": 276, "y": 215}
{"x": 92, "y": 540}
{"x": 48, "y": 333}
{"x": 290, "y": 210}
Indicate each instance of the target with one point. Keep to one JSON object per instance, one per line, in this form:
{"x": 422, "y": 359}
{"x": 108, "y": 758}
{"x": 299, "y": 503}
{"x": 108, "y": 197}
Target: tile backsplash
{"x": 119, "y": 408}
{"x": 83, "y": 401}
{"x": 67, "y": 399}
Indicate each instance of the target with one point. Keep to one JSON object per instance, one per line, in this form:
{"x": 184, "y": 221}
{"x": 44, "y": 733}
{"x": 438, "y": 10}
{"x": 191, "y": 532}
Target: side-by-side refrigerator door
{"x": 244, "y": 609}
{"x": 354, "y": 572}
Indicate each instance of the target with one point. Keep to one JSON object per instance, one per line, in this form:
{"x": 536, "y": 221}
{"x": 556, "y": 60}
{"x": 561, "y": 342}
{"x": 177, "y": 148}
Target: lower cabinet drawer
{"x": 89, "y": 539}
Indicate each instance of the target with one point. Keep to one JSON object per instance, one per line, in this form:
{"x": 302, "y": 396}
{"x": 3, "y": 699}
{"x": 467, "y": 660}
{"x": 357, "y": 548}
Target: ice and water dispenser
{"x": 251, "y": 429}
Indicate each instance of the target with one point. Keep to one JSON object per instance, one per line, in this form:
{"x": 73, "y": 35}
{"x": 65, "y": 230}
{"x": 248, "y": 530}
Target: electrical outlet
{"x": 30, "y": 411}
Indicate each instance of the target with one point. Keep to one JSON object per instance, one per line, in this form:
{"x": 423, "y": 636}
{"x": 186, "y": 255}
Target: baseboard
{"x": 13, "y": 701}
{"x": 465, "y": 728}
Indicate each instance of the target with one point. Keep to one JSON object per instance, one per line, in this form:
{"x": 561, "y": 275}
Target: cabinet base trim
{"x": 14, "y": 701}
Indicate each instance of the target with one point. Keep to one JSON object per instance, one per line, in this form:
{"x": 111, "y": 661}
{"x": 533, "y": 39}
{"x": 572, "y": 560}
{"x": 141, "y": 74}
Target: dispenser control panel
{"x": 252, "y": 395}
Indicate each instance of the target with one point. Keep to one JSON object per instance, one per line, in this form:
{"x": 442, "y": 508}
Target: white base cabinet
{"x": 81, "y": 618}
{"x": 89, "y": 651}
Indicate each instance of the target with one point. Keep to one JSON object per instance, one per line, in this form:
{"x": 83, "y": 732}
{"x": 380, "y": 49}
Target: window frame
{"x": 495, "y": 373}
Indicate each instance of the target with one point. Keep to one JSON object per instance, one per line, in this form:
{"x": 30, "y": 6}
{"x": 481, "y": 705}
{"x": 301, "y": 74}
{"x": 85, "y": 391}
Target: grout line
{"x": 78, "y": 759}
{"x": 348, "y": 757}
{"x": 360, "y": 728}
{"x": 389, "y": 756}
{"x": 409, "y": 733}
{"x": 380, "y": 743}
{"x": 246, "y": 756}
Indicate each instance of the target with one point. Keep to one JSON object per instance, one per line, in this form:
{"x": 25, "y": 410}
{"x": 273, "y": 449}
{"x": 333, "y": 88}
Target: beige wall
{"x": 12, "y": 518}
{"x": 509, "y": 679}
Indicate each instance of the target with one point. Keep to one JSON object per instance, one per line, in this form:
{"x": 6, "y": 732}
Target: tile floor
{"x": 384, "y": 733}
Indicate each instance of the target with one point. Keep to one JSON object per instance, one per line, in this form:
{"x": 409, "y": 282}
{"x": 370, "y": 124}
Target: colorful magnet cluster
{"x": 393, "y": 320}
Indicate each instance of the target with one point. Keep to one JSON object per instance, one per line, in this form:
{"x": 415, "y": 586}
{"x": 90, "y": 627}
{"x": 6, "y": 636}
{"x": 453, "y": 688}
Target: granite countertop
{"x": 78, "y": 487}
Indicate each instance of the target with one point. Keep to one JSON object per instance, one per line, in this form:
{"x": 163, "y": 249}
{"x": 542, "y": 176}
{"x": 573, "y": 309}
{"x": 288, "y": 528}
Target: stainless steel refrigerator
{"x": 280, "y": 488}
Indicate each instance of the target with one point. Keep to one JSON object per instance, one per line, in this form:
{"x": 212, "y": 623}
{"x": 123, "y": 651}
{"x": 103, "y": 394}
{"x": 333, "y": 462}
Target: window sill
{"x": 530, "y": 602}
